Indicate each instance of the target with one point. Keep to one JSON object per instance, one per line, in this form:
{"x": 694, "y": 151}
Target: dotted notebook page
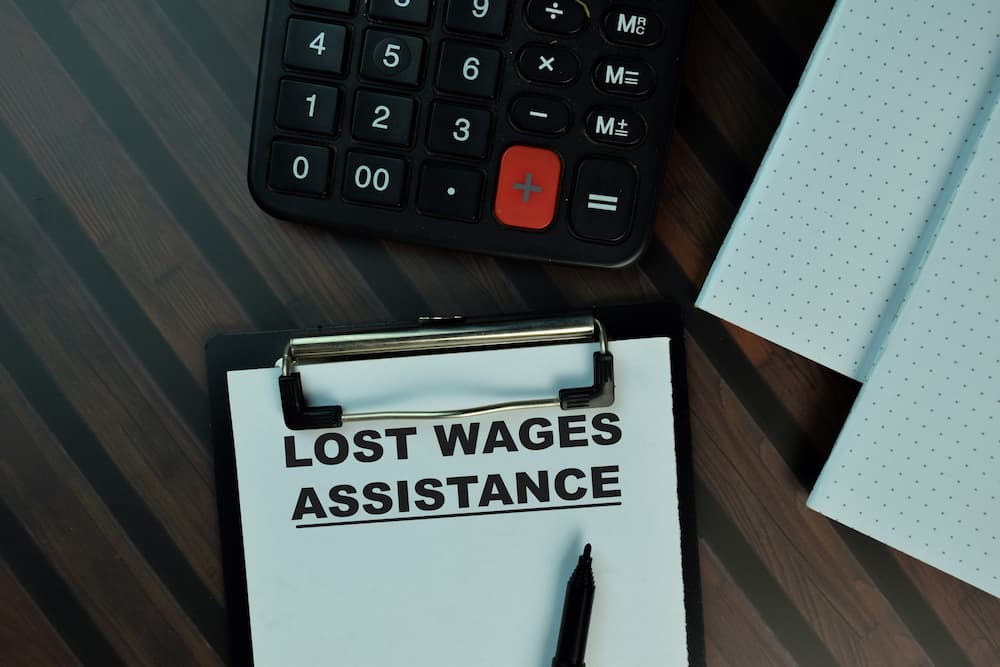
{"x": 855, "y": 182}
{"x": 917, "y": 465}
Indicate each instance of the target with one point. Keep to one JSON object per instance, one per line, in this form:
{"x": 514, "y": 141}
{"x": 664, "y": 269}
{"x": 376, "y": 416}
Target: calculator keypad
{"x": 374, "y": 179}
{"x": 316, "y": 46}
{"x": 540, "y": 115}
{"x": 478, "y": 17}
{"x": 603, "y": 199}
{"x": 382, "y": 118}
{"x": 299, "y": 168}
{"x": 308, "y": 107}
{"x": 467, "y": 69}
{"x": 528, "y": 187}
{"x": 450, "y": 191}
{"x": 339, "y": 6}
{"x": 548, "y": 64}
{"x": 618, "y": 76}
{"x": 633, "y": 26}
{"x": 460, "y": 130}
{"x": 392, "y": 58}
{"x": 618, "y": 126}
{"x": 416, "y": 12}
{"x": 560, "y": 17}
{"x": 532, "y": 128}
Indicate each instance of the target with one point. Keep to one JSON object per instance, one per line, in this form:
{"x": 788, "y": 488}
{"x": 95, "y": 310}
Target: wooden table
{"x": 128, "y": 239}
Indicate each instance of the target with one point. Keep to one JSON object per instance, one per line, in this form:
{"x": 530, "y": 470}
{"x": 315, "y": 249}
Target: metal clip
{"x": 301, "y": 416}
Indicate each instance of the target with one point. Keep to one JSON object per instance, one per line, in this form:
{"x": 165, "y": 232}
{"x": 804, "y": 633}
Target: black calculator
{"x": 527, "y": 128}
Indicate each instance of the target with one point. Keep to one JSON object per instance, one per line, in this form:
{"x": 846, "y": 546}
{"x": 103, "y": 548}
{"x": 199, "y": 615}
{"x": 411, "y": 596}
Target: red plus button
{"x": 528, "y": 188}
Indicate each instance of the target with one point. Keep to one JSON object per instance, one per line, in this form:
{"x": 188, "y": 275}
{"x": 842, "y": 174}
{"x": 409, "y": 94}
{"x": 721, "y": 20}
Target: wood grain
{"x": 28, "y": 638}
{"x": 117, "y": 400}
{"x": 735, "y": 634}
{"x": 799, "y": 547}
{"x": 129, "y": 238}
{"x": 74, "y": 530}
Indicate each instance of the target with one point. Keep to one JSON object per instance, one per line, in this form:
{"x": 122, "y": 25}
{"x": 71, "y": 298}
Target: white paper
{"x": 470, "y": 591}
{"x": 918, "y": 462}
{"x": 855, "y": 183}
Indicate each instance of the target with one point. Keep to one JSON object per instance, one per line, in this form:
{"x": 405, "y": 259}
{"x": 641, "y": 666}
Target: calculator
{"x": 535, "y": 129}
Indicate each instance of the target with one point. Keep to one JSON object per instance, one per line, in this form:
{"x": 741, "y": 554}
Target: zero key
{"x": 299, "y": 168}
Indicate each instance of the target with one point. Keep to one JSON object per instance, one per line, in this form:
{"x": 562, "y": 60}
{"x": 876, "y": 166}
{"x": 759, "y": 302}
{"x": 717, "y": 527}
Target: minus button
{"x": 535, "y": 114}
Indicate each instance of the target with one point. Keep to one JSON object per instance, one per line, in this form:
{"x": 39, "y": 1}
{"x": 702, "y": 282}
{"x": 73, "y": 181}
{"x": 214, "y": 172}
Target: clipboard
{"x": 290, "y": 350}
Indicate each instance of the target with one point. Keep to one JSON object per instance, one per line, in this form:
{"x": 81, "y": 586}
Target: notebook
{"x": 917, "y": 464}
{"x": 867, "y": 242}
{"x": 857, "y": 180}
{"x": 450, "y": 541}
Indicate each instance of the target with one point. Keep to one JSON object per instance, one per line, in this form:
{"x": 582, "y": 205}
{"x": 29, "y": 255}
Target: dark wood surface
{"x": 128, "y": 239}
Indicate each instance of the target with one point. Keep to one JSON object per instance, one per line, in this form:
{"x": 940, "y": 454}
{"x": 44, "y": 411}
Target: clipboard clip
{"x": 449, "y": 334}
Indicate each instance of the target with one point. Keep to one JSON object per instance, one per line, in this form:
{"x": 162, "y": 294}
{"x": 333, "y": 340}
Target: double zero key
{"x": 374, "y": 179}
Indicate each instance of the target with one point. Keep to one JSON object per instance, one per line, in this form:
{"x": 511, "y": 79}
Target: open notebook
{"x": 918, "y": 462}
{"x": 869, "y": 243}
{"x": 857, "y": 180}
{"x": 449, "y": 542}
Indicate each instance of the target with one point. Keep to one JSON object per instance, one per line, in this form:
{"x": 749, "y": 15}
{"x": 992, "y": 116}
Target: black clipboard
{"x": 245, "y": 351}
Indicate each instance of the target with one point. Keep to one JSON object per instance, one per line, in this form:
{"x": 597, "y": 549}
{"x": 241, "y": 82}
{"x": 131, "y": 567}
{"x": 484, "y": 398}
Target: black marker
{"x": 575, "y": 625}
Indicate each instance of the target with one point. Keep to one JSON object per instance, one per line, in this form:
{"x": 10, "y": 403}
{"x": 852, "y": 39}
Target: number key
{"x": 482, "y": 17}
{"x": 374, "y": 179}
{"x": 470, "y": 70}
{"x": 383, "y": 119}
{"x": 339, "y": 6}
{"x": 392, "y": 58}
{"x": 459, "y": 130}
{"x": 299, "y": 168}
{"x": 405, "y": 11}
{"x": 315, "y": 45}
{"x": 308, "y": 107}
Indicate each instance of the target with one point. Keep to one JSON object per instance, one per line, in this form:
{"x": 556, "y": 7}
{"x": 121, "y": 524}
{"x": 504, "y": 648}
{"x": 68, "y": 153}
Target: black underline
{"x": 456, "y": 515}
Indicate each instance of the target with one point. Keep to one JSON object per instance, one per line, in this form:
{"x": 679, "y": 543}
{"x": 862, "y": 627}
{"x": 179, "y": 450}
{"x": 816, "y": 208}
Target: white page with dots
{"x": 855, "y": 183}
{"x": 918, "y": 462}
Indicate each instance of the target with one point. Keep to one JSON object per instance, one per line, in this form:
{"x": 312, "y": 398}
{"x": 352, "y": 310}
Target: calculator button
{"x": 392, "y": 58}
{"x": 315, "y": 45}
{"x": 624, "y": 77}
{"x": 374, "y": 179}
{"x": 307, "y": 107}
{"x": 339, "y": 6}
{"x": 542, "y": 115}
{"x": 481, "y": 17}
{"x": 560, "y": 17}
{"x": 466, "y": 69}
{"x": 603, "y": 200}
{"x": 460, "y": 130}
{"x": 382, "y": 118}
{"x": 548, "y": 64}
{"x": 620, "y": 127}
{"x": 417, "y": 12}
{"x": 299, "y": 168}
{"x": 633, "y": 26}
{"x": 452, "y": 192}
{"x": 528, "y": 187}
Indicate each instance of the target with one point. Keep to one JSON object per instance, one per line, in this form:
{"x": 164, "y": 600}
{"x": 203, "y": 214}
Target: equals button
{"x": 535, "y": 114}
{"x": 603, "y": 200}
